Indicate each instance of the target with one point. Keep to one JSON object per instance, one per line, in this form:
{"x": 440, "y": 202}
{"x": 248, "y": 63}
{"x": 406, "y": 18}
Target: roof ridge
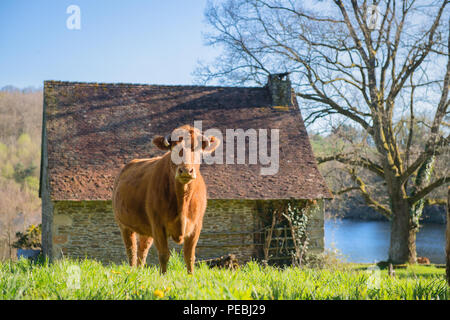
{"x": 124, "y": 84}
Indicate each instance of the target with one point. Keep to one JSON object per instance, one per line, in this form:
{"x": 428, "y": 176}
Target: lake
{"x": 368, "y": 241}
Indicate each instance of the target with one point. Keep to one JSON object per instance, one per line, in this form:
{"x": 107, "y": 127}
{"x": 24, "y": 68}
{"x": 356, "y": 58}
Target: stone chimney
{"x": 279, "y": 87}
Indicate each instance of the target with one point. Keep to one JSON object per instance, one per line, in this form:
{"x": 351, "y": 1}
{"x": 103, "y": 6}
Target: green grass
{"x": 26, "y": 280}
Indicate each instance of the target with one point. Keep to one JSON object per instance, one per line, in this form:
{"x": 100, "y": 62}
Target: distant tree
{"x": 348, "y": 66}
{"x": 21, "y": 173}
{"x": 29, "y": 239}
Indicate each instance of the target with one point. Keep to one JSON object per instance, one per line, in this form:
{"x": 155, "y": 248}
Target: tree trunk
{"x": 422, "y": 179}
{"x": 406, "y": 218}
{"x": 403, "y": 234}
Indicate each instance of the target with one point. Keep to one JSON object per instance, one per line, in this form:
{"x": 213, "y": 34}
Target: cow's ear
{"x": 211, "y": 146}
{"x": 159, "y": 141}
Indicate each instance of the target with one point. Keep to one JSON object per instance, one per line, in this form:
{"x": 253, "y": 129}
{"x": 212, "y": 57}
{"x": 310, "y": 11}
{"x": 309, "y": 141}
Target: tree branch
{"x": 422, "y": 193}
{"x": 337, "y": 193}
{"x": 434, "y": 202}
{"x": 367, "y": 197}
{"x": 322, "y": 98}
{"x": 361, "y": 161}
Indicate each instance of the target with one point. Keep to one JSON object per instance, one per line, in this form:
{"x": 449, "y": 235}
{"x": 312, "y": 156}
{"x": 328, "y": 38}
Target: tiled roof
{"x": 93, "y": 129}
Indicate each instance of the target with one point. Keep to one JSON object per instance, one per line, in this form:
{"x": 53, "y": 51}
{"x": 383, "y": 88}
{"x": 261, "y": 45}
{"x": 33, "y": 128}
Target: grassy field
{"x": 88, "y": 279}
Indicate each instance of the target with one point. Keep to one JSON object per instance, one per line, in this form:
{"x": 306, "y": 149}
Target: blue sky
{"x": 137, "y": 41}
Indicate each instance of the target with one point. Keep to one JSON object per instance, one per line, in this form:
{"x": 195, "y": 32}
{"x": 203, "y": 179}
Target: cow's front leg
{"x": 162, "y": 246}
{"x": 190, "y": 243}
{"x": 164, "y": 255}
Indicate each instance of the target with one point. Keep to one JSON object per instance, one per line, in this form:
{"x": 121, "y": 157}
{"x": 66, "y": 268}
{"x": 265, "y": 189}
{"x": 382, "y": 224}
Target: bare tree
{"x": 374, "y": 64}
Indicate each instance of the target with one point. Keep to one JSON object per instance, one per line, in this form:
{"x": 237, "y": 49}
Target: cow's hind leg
{"x": 144, "y": 245}
{"x": 129, "y": 239}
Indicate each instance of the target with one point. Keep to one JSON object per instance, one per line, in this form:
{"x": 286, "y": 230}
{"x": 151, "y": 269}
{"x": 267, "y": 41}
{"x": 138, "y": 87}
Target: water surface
{"x": 368, "y": 241}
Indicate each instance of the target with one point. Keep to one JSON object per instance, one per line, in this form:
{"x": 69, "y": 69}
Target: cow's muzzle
{"x": 185, "y": 175}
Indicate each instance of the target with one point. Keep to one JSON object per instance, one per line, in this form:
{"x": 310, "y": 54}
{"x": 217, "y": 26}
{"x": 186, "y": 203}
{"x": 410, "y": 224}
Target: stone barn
{"x": 90, "y": 130}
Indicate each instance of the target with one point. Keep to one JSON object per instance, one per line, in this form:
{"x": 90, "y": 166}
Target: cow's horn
{"x": 167, "y": 140}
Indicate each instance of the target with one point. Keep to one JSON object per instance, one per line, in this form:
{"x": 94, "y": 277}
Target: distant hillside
{"x": 20, "y": 140}
{"x": 30, "y": 89}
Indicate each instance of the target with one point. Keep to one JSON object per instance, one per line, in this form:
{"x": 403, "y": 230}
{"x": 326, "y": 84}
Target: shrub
{"x": 30, "y": 239}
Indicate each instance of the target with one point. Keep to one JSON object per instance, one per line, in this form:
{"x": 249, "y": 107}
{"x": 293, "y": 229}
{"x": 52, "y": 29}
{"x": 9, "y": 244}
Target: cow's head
{"x": 186, "y": 144}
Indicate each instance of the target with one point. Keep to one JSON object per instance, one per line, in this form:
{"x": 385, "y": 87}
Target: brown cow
{"x": 159, "y": 198}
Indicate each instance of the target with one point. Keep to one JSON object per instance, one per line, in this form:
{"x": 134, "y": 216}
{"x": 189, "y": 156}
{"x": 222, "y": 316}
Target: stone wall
{"x": 47, "y": 205}
{"x": 316, "y": 228}
{"x": 87, "y": 229}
